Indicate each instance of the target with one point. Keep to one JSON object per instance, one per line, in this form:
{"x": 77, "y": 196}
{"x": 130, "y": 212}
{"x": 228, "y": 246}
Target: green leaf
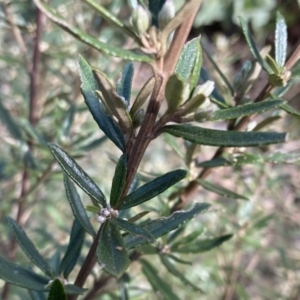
{"x": 214, "y": 163}
{"x": 74, "y": 248}
{"x": 174, "y": 92}
{"x": 280, "y": 40}
{"x": 253, "y": 47}
{"x": 203, "y": 245}
{"x": 106, "y": 123}
{"x": 197, "y": 68}
{"x": 138, "y": 216}
{"x": 77, "y": 206}
{"x": 164, "y": 225}
{"x": 173, "y": 143}
{"x": 57, "y": 291}
{"x": 187, "y": 239}
{"x": 220, "y": 190}
{"x": 75, "y": 172}
{"x": 152, "y": 189}
{"x": 155, "y": 6}
{"x": 15, "y": 274}
{"x": 266, "y": 122}
{"x": 29, "y": 248}
{"x": 68, "y": 120}
{"x": 72, "y": 289}
{"x": 88, "y": 39}
{"x": 111, "y": 251}
{"x": 214, "y": 137}
{"x": 118, "y": 180}
{"x": 246, "y": 110}
{"x": 158, "y": 284}
{"x": 93, "y": 144}
{"x": 171, "y": 268}
{"x": 287, "y": 108}
{"x": 10, "y": 123}
{"x": 124, "y": 84}
{"x": 134, "y": 229}
{"x": 187, "y": 59}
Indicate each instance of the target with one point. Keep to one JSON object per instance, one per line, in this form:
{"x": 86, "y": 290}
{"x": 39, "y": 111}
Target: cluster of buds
{"x": 106, "y": 213}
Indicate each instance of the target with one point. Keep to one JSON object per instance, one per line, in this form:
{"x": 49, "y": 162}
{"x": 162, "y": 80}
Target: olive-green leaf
{"x": 78, "y": 209}
{"x": 174, "y": 92}
{"x": 91, "y": 41}
{"x": 29, "y": 248}
{"x": 290, "y": 110}
{"x": 118, "y": 180}
{"x": 158, "y": 284}
{"x": 203, "y": 245}
{"x": 77, "y": 174}
{"x": 219, "y": 190}
{"x": 187, "y": 59}
{"x": 15, "y": 274}
{"x": 134, "y": 229}
{"x": 111, "y": 251}
{"x": 172, "y": 269}
{"x": 253, "y": 47}
{"x": 74, "y": 248}
{"x": 164, "y": 225}
{"x": 57, "y": 291}
{"x": 152, "y": 189}
{"x": 197, "y": 68}
{"x": 212, "y": 137}
{"x": 246, "y": 110}
{"x": 124, "y": 84}
{"x": 106, "y": 123}
{"x": 280, "y": 40}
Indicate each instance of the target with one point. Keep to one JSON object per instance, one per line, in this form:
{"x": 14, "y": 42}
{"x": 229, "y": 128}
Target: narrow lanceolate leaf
{"x": 174, "y": 92}
{"x": 290, "y": 110}
{"x": 118, "y": 180}
{"x": 172, "y": 269}
{"x": 106, "y": 123}
{"x": 266, "y": 122}
{"x": 280, "y": 40}
{"x": 138, "y": 216}
{"x": 246, "y": 110}
{"x": 10, "y": 123}
{"x": 15, "y": 274}
{"x": 220, "y": 190}
{"x": 134, "y": 229}
{"x": 74, "y": 248}
{"x": 213, "y": 137}
{"x": 253, "y": 47}
{"x": 88, "y": 39}
{"x": 152, "y": 189}
{"x": 29, "y": 248}
{"x": 76, "y": 173}
{"x": 197, "y": 68}
{"x": 78, "y": 209}
{"x": 187, "y": 59}
{"x": 57, "y": 291}
{"x": 203, "y": 245}
{"x": 124, "y": 84}
{"x": 163, "y": 225}
{"x": 111, "y": 251}
{"x": 187, "y": 239}
{"x": 72, "y": 289}
{"x": 158, "y": 284}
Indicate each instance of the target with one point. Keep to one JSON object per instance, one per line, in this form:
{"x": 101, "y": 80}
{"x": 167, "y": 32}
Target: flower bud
{"x": 101, "y": 219}
{"x": 204, "y": 89}
{"x": 166, "y": 14}
{"x": 140, "y": 19}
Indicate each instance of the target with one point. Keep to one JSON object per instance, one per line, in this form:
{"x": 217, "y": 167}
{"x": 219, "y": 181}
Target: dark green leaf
{"x": 187, "y": 59}
{"x": 287, "y": 108}
{"x": 280, "y": 40}
{"x": 253, "y": 47}
{"x": 75, "y": 172}
{"x": 187, "y": 239}
{"x": 57, "y": 291}
{"x": 155, "y": 7}
{"x": 203, "y": 245}
{"x": 72, "y": 289}
{"x": 10, "y": 123}
{"x": 171, "y": 268}
{"x": 29, "y": 248}
{"x": 157, "y": 283}
{"x": 74, "y": 248}
{"x": 77, "y": 206}
{"x": 214, "y": 137}
{"x": 174, "y": 92}
{"x": 152, "y": 189}
{"x": 246, "y": 110}
{"x": 162, "y": 226}
{"x": 111, "y": 251}
{"x": 134, "y": 229}
{"x": 106, "y": 123}
{"x": 91, "y": 41}
{"x": 124, "y": 84}
{"x": 138, "y": 216}
{"x": 220, "y": 190}
{"x": 214, "y": 163}
{"x": 118, "y": 180}
{"x": 35, "y": 295}
{"x": 15, "y": 274}
{"x": 197, "y": 68}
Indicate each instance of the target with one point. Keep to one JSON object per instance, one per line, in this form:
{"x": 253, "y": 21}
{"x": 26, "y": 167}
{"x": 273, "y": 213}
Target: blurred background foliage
{"x": 261, "y": 261}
